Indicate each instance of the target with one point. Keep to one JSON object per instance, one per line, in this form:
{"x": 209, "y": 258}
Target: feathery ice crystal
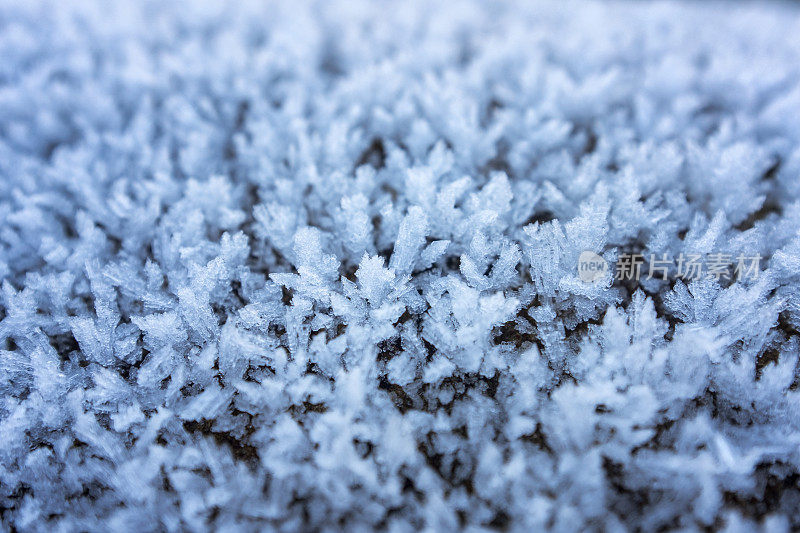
{"x": 303, "y": 266}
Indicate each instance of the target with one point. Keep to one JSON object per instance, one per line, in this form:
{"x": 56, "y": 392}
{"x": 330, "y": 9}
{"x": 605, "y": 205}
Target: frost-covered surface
{"x": 314, "y": 266}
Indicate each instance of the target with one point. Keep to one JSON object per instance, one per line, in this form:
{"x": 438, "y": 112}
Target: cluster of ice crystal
{"x": 305, "y": 266}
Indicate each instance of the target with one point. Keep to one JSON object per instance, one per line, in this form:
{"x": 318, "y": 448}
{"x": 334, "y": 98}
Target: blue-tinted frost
{"x": 314, "y": 266}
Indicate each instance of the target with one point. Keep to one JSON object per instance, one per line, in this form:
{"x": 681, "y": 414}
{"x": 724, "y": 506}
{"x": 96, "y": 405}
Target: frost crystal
{"x": 316, "y": 266}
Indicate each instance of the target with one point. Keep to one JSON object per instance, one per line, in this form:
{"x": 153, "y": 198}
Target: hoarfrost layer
{"x": 315, "y": 266}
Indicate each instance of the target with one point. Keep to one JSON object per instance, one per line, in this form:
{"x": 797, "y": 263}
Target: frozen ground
{"x": 314, "y": 266}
